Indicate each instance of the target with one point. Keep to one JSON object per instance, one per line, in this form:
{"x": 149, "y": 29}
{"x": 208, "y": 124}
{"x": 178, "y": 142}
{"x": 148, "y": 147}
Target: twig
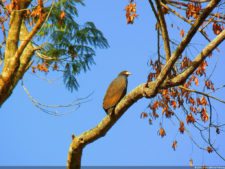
{"x": 45, "y": 108}
{"x": 202, "y": 93}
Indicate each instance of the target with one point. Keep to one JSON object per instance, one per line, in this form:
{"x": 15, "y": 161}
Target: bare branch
{"x": 54, "y": 109}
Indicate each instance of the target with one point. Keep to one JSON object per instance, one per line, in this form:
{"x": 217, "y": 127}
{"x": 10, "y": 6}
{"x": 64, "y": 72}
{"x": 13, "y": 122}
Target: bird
{"x": 115, "y": 92}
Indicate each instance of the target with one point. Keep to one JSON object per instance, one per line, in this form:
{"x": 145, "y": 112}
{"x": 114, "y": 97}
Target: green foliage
{"x": 70, "y": 44}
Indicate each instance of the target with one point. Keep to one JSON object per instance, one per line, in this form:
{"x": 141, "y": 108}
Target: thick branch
{"x": 24, "y": 63}
{"x": 29, "y": 37}
{"x": 19, "y": 61}
{"x": 163, "y": 27}
{"x": 103, "y": 127}
{"x": 181, "y": 78}
{"x": 12, "y": 41}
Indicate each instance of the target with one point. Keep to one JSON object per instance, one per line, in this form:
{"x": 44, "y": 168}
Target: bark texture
{"x": 18, "y": 51}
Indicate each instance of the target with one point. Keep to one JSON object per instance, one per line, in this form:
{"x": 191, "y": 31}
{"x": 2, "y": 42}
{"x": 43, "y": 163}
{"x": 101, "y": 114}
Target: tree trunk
{"x": 75, "y": 154}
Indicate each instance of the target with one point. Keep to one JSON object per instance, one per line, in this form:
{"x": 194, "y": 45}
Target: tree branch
{"x": 12, "y": 41}
{"x": 18, "y": 63}
{"x": 103, "y": 127}
{"x": 202, "y": 93}
{"x": 181, "y": 78}
{"x": 164, "y": 30}
{"x": 166, "y": 69}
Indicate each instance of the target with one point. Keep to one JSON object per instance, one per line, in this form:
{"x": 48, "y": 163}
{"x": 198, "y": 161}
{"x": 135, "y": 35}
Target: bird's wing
{"x": 115, "y": 92}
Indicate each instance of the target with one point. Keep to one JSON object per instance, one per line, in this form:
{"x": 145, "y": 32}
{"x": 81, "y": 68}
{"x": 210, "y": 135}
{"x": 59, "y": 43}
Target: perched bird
{"x": 115, "y": 92}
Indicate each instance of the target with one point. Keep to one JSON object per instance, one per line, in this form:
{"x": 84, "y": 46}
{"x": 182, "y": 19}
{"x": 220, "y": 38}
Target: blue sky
{"x": 31, "y": 137}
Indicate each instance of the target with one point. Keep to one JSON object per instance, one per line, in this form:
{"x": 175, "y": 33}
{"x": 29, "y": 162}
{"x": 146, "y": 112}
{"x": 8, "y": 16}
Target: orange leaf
{"x": 193, "y": 109}
{"x": 190, "y": 118}
{"x": 131, "y": 12}
{"x": 144, "y": 115}
{"x": 181, "y": 128}
{"x": 174, "y": 93}
{"x": 155, "y": 105}
{"x": 173, "y": 104}
{"x": 202, "y": 101}
{"x": 169, "y": 113}
{"x": 202, "y": 68}
{"x": 192, "y": 101}
{"x": 209, "y": 149}
{"x": 62, "y": 15}
{"x": 162, "y": 132}
{"x": 165, "y": 92}
{"x": 196, "y": 81}
{"x": 204, "y": 115}
{"x": 182, "y": 33}
{"x": 155, "y": 115}
{"x": 165, "y": 109}
{"x": 174, "y": 145}
{"x": 185, "y": 63}
{"x": 217, "y": 28}
{"x": 209, "y": 85}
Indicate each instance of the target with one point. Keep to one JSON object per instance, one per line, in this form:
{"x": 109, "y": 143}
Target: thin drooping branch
{"x": 209, "y": 131}
{"x": 190, "y": 135}
{"x": 202, "y": 93}
{"x": 56, "y": 110}
{"x": 164, "y": 30}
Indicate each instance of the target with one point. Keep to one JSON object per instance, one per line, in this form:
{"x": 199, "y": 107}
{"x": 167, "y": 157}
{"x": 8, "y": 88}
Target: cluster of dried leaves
{"x": 193, "y": 10}
{"x": 44, "y": 67}
{"x": 131, "y": 12}
{"x": 172, "y": 100}
{"x": 31, "y": 14}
